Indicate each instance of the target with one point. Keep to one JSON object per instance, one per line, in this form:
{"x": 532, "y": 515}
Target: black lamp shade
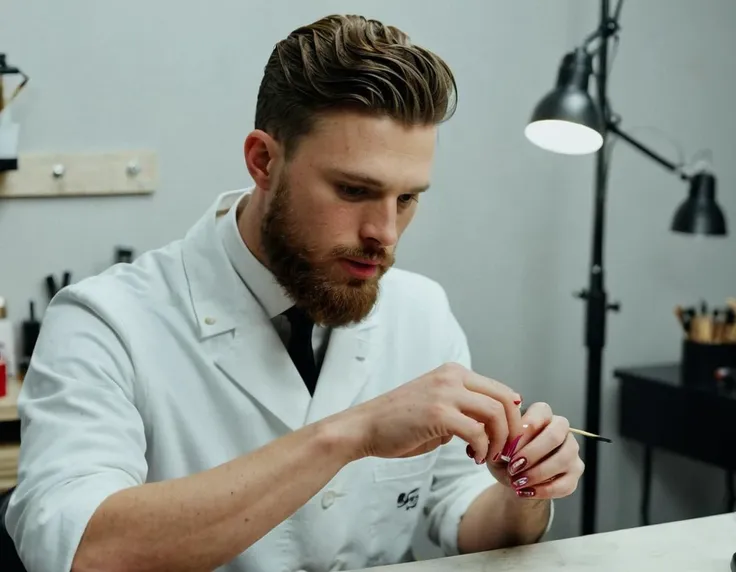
{"x": 567, "y": 119}
{"x": 700, "y": 213}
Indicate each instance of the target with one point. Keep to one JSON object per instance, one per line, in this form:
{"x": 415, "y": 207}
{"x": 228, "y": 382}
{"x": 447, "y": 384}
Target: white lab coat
{"x": 168, "y": 366}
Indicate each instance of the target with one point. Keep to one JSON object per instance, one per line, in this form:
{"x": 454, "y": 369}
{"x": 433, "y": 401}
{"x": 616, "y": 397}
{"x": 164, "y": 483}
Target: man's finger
{"x": 557, "y": 488}
{"x": 562, "y": 461}
{"x": 493, "y": 416}
{"x": 552, "y": 436}
{"x": 501, "y": 393}
{"x": 536, "y": 417}
{"x": 471, "y": 431}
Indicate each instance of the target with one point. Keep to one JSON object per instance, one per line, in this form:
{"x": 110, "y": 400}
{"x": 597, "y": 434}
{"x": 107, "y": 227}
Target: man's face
{"x": 338, "y": 208}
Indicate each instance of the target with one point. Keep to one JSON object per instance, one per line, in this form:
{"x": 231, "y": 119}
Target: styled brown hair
{"x": 350, "y": 62}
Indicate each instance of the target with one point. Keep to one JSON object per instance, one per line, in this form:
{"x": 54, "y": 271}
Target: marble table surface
{"x": 696, "y": 545}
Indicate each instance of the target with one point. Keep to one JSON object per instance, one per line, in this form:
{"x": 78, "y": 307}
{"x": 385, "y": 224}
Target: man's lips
{"x": 366, "y": 261}
{"x": 360, "y": 267}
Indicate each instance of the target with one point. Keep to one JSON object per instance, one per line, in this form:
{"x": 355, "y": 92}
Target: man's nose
{"x": 380, "y": 224}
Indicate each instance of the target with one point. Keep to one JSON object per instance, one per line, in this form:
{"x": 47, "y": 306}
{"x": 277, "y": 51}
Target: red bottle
{"x": 3, "y": 378}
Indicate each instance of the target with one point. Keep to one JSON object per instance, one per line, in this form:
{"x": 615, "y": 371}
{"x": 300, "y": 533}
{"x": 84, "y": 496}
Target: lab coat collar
{"x": 211, "y": 280}
{"x": 258, "y": 279}
{"x": 255, "y": 357}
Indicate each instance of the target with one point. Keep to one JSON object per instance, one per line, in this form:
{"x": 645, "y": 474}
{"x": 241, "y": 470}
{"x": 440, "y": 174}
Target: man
{"x": 268, "y": 394}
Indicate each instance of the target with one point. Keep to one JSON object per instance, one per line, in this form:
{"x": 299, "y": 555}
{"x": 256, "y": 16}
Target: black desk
{"x": 656, "y": 410}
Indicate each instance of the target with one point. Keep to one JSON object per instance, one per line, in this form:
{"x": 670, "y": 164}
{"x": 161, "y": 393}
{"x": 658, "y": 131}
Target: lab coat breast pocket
{"x": 400, "y": 490}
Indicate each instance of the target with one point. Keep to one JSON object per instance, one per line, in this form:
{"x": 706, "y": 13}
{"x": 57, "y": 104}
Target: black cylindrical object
{"x": 701, "y": 361}
{"x": 30, "y": 330}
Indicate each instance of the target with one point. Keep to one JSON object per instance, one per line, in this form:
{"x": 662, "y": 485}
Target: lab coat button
{"x": 328, "y": 499}
{"x": 209, "y": 321}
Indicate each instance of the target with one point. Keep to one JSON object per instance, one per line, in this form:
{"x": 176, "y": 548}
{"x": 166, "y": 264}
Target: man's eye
{"x": 407, "y": 199}
{"x": 352, "y": 192}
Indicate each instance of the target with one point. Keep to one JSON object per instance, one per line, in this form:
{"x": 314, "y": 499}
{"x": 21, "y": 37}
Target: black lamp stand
{"x": 595, "y": 296}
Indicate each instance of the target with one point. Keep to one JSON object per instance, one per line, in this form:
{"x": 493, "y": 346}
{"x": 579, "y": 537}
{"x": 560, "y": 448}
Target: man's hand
{"x": 427, "y": 412}
{"x": 545, "y": 462}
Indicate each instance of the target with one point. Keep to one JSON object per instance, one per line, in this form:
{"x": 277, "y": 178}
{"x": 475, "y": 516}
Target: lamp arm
{"x": 603, "y": 33}
{"x": 609, "y": 27}
{"x": 656, "y": 157}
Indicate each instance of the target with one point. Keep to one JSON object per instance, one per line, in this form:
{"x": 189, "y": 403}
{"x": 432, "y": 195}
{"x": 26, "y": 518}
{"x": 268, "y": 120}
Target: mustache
{"x": 378, "y": 255}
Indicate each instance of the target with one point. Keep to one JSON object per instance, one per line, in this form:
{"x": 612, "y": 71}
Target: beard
{"x": 306, "y": 278}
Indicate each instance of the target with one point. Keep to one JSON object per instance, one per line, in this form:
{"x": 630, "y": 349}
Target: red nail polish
{"x": 520, "y": 482}
{"x": 517, "y": 465}
{"x": 505, "y": 453}
{"x": 495, "y": 457}
{"x": 514, "y": 444}
{"x": 526, "y": 493}
{"x": 517, "y": 402}
{"x": 469, "y": 452}
{"x": 510, "y": 449}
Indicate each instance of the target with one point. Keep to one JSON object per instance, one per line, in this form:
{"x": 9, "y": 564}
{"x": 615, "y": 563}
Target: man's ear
{"x": 261, "y": 152}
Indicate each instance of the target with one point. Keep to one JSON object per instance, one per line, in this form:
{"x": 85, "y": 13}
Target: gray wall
{"x": 183, "y": 81}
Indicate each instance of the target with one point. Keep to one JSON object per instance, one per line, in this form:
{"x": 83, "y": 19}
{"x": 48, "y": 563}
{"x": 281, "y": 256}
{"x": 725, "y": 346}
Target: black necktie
{"x": 300, "y": 346}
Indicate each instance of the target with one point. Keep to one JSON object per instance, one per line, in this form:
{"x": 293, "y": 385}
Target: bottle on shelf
{"x": 7, "y": 341}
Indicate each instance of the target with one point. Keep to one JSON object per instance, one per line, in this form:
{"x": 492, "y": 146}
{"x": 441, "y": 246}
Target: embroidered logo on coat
{"x": 408, "y": 500}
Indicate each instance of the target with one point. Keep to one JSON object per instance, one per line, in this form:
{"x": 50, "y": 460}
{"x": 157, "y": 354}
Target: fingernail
{"x": 526, "y": 493}
{"x": 504, "y": 453}
{"x": 469, "y": 452}
{"x": 517, "y": 465}
{"x": 496, "y": 456}
{"x": 518, "y": 483}
{"x": 514, "y": 444}
{"x": 517, "y": 402}
{"x": 510, "y": 449}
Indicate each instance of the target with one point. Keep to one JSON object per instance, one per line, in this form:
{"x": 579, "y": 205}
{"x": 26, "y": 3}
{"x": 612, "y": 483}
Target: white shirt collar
{"x": 257, "y": 278}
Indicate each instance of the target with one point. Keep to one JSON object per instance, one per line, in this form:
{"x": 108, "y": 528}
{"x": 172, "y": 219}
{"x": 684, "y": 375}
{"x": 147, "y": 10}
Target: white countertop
{"x": 697, "y": 545}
